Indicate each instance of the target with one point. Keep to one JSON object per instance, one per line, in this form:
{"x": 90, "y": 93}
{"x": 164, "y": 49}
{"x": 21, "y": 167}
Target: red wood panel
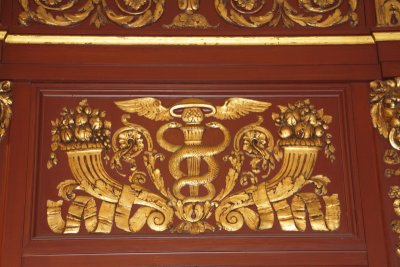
{"x": 362, "y": 194}
{"x": 47, "y": 77}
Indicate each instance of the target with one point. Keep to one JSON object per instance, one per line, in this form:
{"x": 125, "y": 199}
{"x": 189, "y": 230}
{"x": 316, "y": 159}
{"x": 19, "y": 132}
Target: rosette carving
{"x": 313, "y": 13}
{"x": 184, "y": 198}
{"x": 126, "y": 13}
{"x": 5, "y": 107}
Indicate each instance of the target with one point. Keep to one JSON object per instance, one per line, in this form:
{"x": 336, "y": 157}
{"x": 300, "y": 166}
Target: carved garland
{"x": 385, "y": 113}
{"x": 183, "y": 200}
{"x": 5, "y": 107}
{"x": 139, "y": 13}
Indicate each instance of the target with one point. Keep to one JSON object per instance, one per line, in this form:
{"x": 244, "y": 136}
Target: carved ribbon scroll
{"x": 385, "y": 114}
{"x": 5, "y": 107}
{"x": 184, "y": 198}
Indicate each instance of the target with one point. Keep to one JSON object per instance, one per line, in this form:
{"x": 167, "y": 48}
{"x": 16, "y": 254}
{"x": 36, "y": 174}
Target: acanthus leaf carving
{"x": 242, "y": 13}
{"x": 316, "y": 13}
{"x": 63, "y": 13}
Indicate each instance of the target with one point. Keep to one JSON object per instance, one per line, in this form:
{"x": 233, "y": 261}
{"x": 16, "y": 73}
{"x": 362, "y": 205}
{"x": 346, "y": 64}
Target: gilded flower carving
{"x": 52, "y": 2}
{"x": 154, "y": 195}
{"x": 83, "y": 126}
{"x": 246, "y": 4}
{"x": 323, "y": 3}
{"x": 302, "y": 121}
{"x": 253, "y": 142}
{"x": 305, "y": 13}
{"x": 136, "y": 4}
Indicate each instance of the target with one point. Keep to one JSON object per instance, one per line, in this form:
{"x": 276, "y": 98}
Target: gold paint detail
{"x": 189, "y": 41}
{"x": 189, "y": 18}
{"x": 387, "y": 13}
{"x": 385, "y": 114}
{"x": 64, "y": 13}
{"x": 3, "y": 35}
{"x": 184, "y": 199}
{"x": 386, "y": 36}
{"x": 310, "y": 13}
{"x": 385, "y": 111}
{"x": 5, "y": 107}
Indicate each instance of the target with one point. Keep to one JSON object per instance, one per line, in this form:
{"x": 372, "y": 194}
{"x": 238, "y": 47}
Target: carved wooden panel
{"x": 265, "y": 168}
{"x": 183, "y": 16}
{"x": 384, "y": 114}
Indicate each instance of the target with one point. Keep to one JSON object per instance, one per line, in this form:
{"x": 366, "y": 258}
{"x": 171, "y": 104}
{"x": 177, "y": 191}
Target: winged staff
{"x": 233, "y": 108}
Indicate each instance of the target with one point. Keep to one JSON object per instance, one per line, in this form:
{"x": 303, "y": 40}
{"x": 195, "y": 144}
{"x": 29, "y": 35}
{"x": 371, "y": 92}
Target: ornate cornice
{"x": 385, "y": 114}
{"x": 137, "y": 14}
{"x": 5, "y": 107}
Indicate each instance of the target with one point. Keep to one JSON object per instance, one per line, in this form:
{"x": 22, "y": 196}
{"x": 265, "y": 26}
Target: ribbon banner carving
{"x": 192, "y": 186}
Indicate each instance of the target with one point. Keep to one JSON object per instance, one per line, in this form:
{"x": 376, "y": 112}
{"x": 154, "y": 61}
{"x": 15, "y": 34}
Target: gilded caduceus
{"x": 192, "y": 112}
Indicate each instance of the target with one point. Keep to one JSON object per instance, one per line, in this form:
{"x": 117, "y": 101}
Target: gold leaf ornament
{"x": 63, "y": 13}
{"x": 385, "y": 115}
{"x": 311, "y": 13}
{"x": 5, "y": 107}
{"x": 184, "y": 197}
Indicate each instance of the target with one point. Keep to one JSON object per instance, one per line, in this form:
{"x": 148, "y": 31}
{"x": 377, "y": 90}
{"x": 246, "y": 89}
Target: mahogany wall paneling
{"x": 19, "y": 173}
{"x": 389, "y": 58}
{"x": 191, "y": 64}
{"x": 39, "y": 247}
{"x": 380, "y": 253}
{"x": 4, "y": 163}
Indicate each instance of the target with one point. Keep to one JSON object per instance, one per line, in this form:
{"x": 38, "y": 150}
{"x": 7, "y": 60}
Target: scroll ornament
{"x": 312, "y": 13}
{"x": 64, "y": 13}
{"x": 5, "y": 107}
{"x": 186, "y": 198}
{"x": 140, "y": 13}
{"x": 385, "y": 114}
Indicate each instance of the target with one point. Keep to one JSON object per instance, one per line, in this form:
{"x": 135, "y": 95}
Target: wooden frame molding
{"x": 187, "y": 41}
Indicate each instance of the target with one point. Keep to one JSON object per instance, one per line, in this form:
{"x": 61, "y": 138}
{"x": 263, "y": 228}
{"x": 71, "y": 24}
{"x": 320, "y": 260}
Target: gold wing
{"x": 234, "y": 108}
{"x": 148, "y": 107}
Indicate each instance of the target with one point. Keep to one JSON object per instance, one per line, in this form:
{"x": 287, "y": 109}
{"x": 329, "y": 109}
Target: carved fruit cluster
{"x": 81, "y": 128}
{"x": 303, "y": 124}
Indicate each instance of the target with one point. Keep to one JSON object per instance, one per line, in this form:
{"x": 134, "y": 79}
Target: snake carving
{"x": 192, "y": 112}
{"x": 192, "y": 136}
{"x": 193, "y": 151}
